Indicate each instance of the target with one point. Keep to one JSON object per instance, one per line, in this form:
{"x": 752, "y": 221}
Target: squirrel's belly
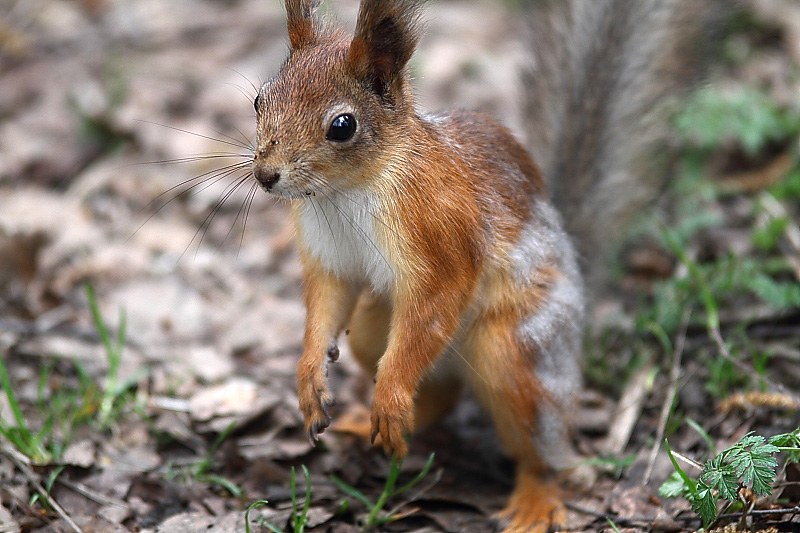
{"x": 339, "y": 232}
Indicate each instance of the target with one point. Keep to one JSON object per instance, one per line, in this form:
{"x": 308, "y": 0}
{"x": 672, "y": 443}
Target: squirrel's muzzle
{"x": 266, "y": 176}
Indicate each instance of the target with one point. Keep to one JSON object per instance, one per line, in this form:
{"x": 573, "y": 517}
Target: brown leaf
{"x": 82, "y": 453}
{"x": 237, "y": 401}
{"x": 7, "y": 522}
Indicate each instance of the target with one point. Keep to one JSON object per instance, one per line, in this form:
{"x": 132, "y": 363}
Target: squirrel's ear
{"x": 300, "y": 20}
{"x": 386, "y": 33}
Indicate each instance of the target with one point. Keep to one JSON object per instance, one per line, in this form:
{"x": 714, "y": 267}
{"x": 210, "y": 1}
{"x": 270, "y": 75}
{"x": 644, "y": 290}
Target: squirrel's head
{"x": 329, "y": 118}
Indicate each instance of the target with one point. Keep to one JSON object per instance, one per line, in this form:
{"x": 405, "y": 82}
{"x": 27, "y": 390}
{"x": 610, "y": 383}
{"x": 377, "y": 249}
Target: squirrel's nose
{"x": 267, "y": 177}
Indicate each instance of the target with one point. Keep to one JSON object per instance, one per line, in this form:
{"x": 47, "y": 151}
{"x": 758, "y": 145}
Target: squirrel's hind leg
{"x": 524, "y": 378}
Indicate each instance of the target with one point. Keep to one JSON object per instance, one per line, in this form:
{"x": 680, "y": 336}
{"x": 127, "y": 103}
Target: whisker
{"x": 226, "y": 193}
{"x": 238, "y": 213}
{"x": 468, "y": 364}
{"x": 245, "y": 78}
{"x": 356, "y": 227}
{"x": 211, "y": 175}
{"x": 251, "y": 194}
{"x": 194, "y": 158}
{"x": 242, "y": 90}
{"x": 368, "y": 208}
{"x": 245, "y": 146}
{"x": 246, "y": 138}
{"x": 216, "y": 179}
{"x": 188, "y": 159}
{"x": 208, "y": 175}
{"x": 328, "y": 222}
{"x": 193, "y": 133}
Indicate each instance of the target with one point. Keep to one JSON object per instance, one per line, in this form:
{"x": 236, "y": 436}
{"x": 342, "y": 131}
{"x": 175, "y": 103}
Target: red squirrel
{"x": 431, "y": 238}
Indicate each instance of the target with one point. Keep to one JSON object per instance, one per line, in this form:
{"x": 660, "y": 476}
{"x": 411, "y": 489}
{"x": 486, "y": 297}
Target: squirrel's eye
{"x": 256, "y": 102}
{"x": 342, "y": 128}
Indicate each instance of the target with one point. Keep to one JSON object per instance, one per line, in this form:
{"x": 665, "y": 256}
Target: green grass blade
{"x": 225, "y": 483}
{"x": 121, "y": 334}
{"x": 663, "y": 339}
{"x": 612, "y": 525}
{"x": 690, "y": 483}
{"x": 224, "y": 434}
{"x": 21, "y": 436}
{"x": 712, "y": 313}
{"x": 5, "y": 381}
{"x": 250, "y": 507}
{"x": 352, "y": 491}
{"x": 419, "y": 477}
{"x": 394, "y": 472}
{"x": 293, "y": 489}
{"x": 99, "y": 325}
{"x": 704, "y": 435}
{"x": 302, "y": 521}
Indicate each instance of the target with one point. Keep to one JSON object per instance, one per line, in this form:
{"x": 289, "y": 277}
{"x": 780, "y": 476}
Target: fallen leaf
{"x": 82, "y": 453}
{"x": 236, "y": 401}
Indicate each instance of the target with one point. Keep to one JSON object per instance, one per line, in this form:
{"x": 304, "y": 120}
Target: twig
{"x": 20, "y": 461}
{"x": 608, "y": 516}
{"x": 723, "y": 351}
{"x": 686, "y": 460}
{"x": 683, "y": 518}
{"x": 763, "y": 512}
{"x": 416, "y": 495}
{"x": 96, "y": 497}
{"x": 666, "y": 408}
{"x": 628, "y": 410}
{"x": 712, "y": 319}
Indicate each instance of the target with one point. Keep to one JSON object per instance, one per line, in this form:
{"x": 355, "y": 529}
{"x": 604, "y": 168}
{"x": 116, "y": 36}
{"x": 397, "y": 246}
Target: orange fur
{"x": 329, "y": 303}
{"x": 534, "y": 506}
{"x": 428, "y": 219}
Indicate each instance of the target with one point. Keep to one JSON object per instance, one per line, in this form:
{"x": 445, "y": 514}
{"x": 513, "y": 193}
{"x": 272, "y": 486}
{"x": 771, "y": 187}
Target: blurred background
{"x": 163, "y": 396}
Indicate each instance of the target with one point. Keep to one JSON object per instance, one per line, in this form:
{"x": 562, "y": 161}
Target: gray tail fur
{"x": 598, "y": 94}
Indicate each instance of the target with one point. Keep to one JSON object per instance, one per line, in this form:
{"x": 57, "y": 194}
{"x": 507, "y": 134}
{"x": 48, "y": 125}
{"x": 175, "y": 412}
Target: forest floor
{"x": 170, "y": 406}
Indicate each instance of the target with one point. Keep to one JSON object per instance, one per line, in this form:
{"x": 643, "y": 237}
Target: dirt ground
{"x": 107, "y": 108}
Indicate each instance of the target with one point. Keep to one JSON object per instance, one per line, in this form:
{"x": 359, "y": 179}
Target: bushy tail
{"x": 598, "y": 95}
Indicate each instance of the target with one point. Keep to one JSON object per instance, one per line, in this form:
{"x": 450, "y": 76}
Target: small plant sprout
{"x": 23, "y": 438}
{"x": 374, "y": 516}
{"x": 250, "y": 507}
{"x": 111, "y": 390}
{"x": 299, "y": 517}
{"x": 749, "y": 463}
{"x": 198, "y": 469}
{"x": 67, "y": 408}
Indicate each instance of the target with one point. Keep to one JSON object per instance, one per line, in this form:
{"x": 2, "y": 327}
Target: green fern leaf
{"x": 673, "y": 486}
{"x": 704, "y": 503}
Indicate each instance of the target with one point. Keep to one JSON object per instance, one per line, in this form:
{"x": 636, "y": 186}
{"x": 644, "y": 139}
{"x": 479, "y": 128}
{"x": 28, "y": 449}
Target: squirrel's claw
{"x": 316, "y": 428}
{"x": 392, "y": 418}
{"x": 315, "y": 400}
{"x": 316, "y": 421}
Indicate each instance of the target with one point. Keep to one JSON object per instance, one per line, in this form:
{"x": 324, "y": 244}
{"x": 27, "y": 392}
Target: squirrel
{"x": 431, "y": 238}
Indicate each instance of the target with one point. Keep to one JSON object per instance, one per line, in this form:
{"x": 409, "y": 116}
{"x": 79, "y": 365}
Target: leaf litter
{"x": 92, "y": 94}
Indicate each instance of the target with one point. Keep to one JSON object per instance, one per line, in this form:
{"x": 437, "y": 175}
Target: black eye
{"x": 342, "y": 128}
{"x": 257, "y": 102}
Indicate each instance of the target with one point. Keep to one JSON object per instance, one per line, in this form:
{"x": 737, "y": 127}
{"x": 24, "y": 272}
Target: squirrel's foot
{"x": 533, "y": 507}
{"x": 315, "y": 399}
{"x": 392, "y": 418}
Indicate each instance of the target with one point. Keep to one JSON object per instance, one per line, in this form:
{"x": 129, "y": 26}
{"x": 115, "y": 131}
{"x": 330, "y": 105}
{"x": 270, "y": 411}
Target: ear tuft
{"x": 387, "y": 31}
{"x": 300, "y": 21}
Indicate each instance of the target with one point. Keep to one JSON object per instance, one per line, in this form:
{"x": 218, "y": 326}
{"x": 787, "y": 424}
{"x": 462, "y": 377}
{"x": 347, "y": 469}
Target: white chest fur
{"x": 339, "y": 231}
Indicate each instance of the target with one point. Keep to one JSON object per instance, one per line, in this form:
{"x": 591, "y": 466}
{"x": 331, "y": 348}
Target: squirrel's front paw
{"x": 315, "y": 399}
{"x": 392, "y": 418}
